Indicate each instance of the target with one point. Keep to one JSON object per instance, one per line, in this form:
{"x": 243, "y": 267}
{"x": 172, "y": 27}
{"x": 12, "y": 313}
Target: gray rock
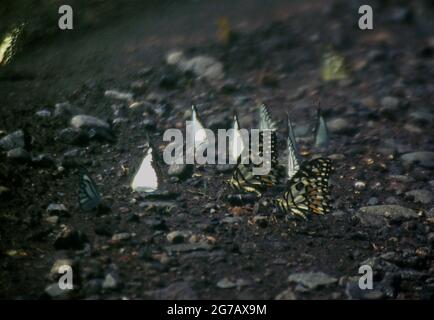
{"x": 140, "y": 106}
{"x": 175, "y": 291}
{"x": 43, "y": 113}
{"x": 138, "y": 86}
{"x": 340, "y": 125}
{"x": 420, "y": 196}
{"x": 65, "y": 109}
{"x": 312, "y": 280}
{"x": 13, "y": 140}
{"x": 118, "y": 122}
{"x": 54, "y": 292}
{"x": 18, "y": 154}
{"x": 52, "y": 220}
{"x": 225, "y": 283}
{"x": 202, "y": 66}
{"x": 378, "y": 216}
{"x": 389, "y": 104}
{"x": 110, "y": 282}
{"x": 177, "y": 236}
{"x": 177, "y": 170}
{"x": 231, "y": 220}
{"x": 83, "y": 121}
{"x": 121, "y": 236}
{"x": 422, "y": 158}
{"x": 56, "y": 209}
{"x": 114, "y": 94}
{"x": 188, "y": 247}
{"x": 286, "y": 294}
{"x": 360, "y": 185}
{"x": 73, "y": 153}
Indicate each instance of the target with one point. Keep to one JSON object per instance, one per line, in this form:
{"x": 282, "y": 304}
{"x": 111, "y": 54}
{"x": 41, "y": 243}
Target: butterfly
{"x": 321, "y": 132}
{"x": 248, "y": 177}
{"x": 146, "y": 178}
{"x": 88, "y": 195}
{"x": 293, "y": 155}
{"x": 199, "y": 134}
{"x": 237, "y": 147}
{"x": 333, "y": 66}
{"x": 308, "y": 190}
{"x": 8, "y": 46}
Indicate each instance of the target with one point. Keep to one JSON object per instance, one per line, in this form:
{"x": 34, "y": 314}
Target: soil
{"x": 274, "y": 57}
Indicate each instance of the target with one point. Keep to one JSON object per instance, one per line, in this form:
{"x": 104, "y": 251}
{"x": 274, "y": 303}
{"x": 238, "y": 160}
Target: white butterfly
{"x": 146, "y": 179}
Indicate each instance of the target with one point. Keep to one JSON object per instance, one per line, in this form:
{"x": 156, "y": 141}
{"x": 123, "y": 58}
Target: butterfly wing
{"x": 88, "y": 195}
{"x": 199, "y": 133}
{"x": 321, "y": 131}
{"x": 293, "y": 156}
{"x": 265, "y": 121}
{"x": 333, "y": 66}
{"x": 146, "y": 178}
{"x": 318, "y": 190}
{"x": 8, "y": 46}
{"x": 237, "y": 146}
{"x": 308, "y": 190}
{"x": 244, "y": 179}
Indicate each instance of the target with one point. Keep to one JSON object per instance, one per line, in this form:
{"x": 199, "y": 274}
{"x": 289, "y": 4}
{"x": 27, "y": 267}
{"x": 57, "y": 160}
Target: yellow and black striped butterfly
{"x": 308, "y": 190}
{"x": 244, "y": 178}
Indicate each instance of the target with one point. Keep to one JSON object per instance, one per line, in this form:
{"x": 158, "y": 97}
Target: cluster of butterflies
{"x": 305, "y": 184}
